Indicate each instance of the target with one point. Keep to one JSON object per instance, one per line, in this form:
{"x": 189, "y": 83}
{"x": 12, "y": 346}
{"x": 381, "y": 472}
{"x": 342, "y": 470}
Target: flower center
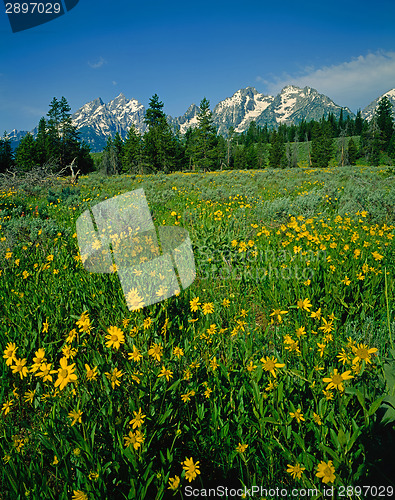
{"x": 362, "y": 353}
{"x": 337, "y": 379}
{"x": 63, "y": 373}
{"x": 269, "y": 365}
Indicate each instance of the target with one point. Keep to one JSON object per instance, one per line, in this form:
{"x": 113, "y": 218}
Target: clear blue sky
{"x": 184, "y": 51}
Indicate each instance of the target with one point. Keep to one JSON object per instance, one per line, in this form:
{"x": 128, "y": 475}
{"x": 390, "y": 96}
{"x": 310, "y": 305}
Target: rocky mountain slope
{"x": 96, "y": 121}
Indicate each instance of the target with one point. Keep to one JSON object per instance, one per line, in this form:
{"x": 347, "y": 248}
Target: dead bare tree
{"x": 74, "y": 175}
{"x": 38, "y": 176}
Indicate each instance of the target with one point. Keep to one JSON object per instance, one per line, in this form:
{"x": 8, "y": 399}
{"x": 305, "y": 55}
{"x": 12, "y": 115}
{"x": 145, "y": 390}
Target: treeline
{"x": 163, "y": 149}
{"x": 201, "y": 148}
{"x": 56, "y": 145}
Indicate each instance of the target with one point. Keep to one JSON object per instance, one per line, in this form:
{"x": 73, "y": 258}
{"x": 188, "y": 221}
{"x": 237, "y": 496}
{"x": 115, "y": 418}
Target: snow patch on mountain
{"x": 368, "y": 112}
{"x": 261, "y": 103}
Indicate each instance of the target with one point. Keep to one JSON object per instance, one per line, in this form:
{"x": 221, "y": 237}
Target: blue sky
{"x": 184, "y": 51}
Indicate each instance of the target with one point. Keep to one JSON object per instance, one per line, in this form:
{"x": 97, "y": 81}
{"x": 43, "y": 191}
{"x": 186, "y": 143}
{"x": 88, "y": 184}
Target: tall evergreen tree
{"x": 159, "y": 141}
{"x": 352, "y": 152}
{"x": 374, "y": 142}
{"x": 277, "y": 151}
{"x": 322, "y": 144}
{"x": 6, "y": 155}
{"x": 132, "y": 159}
{"x": 41, "y": 142}
{"x": 251, "y": 156}
{"x": 341, "y": 123}
{"x": 25, "y": 154}
{"x": 61, "y": 138}
{"x": 229, "y": 140}
{"x": 239, "y": 157}
{"x": 118, "y": 148}
{"x": 68, "y": 134}
{"x": 342, "y": 149}
{"x": 111, "y": 162}
{"x": 294, "y": 162}
{"x": 385, "y": 121}
{"x": 53, "y": 144}
{"x": 206, "y": 152}
{"x": 190, "y": 147}
{"x": 358, "y": 123}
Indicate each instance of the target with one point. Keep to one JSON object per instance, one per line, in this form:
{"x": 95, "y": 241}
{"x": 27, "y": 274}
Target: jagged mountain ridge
{"x": 96, "y": 120}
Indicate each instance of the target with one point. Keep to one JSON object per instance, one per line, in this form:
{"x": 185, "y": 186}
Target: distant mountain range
{"x": 96, "y": 121}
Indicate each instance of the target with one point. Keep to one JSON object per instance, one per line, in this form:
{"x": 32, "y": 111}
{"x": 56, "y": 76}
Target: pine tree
{"x": 68, "y": 134}
{"x": 61, "y": 138}
{"x": 342, "y": 150}
{"x": 261, "y": 153}
{"x": 25, "y": 154}
{"x": 206, "y": 152}
{"x": 53, "y": 143}
{"x": 385, "y": 121}
{"x": 6, "y": 155}
{"x": 352, "y": 152}
{"x": 229, "y": 140}
{"x": 252, "y": 134}
{"x": 84, "y": 160}
{"x": 111, "y": 163}
{"x": 155, "y": 117}
{"x": 159, "y": 141}
{"x": 132, "y": 152}
{"x": 358, "y": 123}
{"x": 190, "y": 147}
{"x": 239, "y": 157}
{"x": 294, "y": 162}
{"x": 41, "y": 142}
{"x": 251, "y": 156}
{"x": 374, "y": 142}
{"x": 277, "y": 151}
{"x": 322, "y": 144}
{"x": 118, "y": 148}
{"x": 340, "y": 124}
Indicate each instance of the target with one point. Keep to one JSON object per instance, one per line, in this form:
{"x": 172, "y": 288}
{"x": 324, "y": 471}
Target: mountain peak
{"x": 120, "y": 98}
{"x": 291, "y": 87}
{"x": 96, "y": 120}
{"x": 368, "y": 112}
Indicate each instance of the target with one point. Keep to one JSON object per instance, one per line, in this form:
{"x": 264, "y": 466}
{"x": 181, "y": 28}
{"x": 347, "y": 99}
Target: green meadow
{"x": 274, "y": 369}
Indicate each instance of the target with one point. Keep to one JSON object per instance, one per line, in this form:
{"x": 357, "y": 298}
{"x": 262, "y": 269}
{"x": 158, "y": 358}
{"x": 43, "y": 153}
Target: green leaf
{"x": 375, "y": 406}
{"x": 330, "y": 452}
{"x": 388, "y": 405}
{"x": 299, "y": 440}
{"x": 360, "y": 398}
{"x": 280, "y": 391}
{"x": 389, "y": 375}
{"x": 334, "y": 439}
{"x": 354, "y": 437}
{"x": 270, "y": 420}
{"x": 342, "y": 437}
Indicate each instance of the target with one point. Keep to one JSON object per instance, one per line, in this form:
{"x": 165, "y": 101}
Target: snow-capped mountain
{"x": 238, "y": 111}
{"x": 291, "y": 105}
{"x": 368, "y": 112}
{"x": 96, "y": 121}
{"x": 187, "y": 120}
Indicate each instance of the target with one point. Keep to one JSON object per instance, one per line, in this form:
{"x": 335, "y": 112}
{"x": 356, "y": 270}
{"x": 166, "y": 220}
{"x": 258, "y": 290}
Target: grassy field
{"x": 274, "y": 369}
